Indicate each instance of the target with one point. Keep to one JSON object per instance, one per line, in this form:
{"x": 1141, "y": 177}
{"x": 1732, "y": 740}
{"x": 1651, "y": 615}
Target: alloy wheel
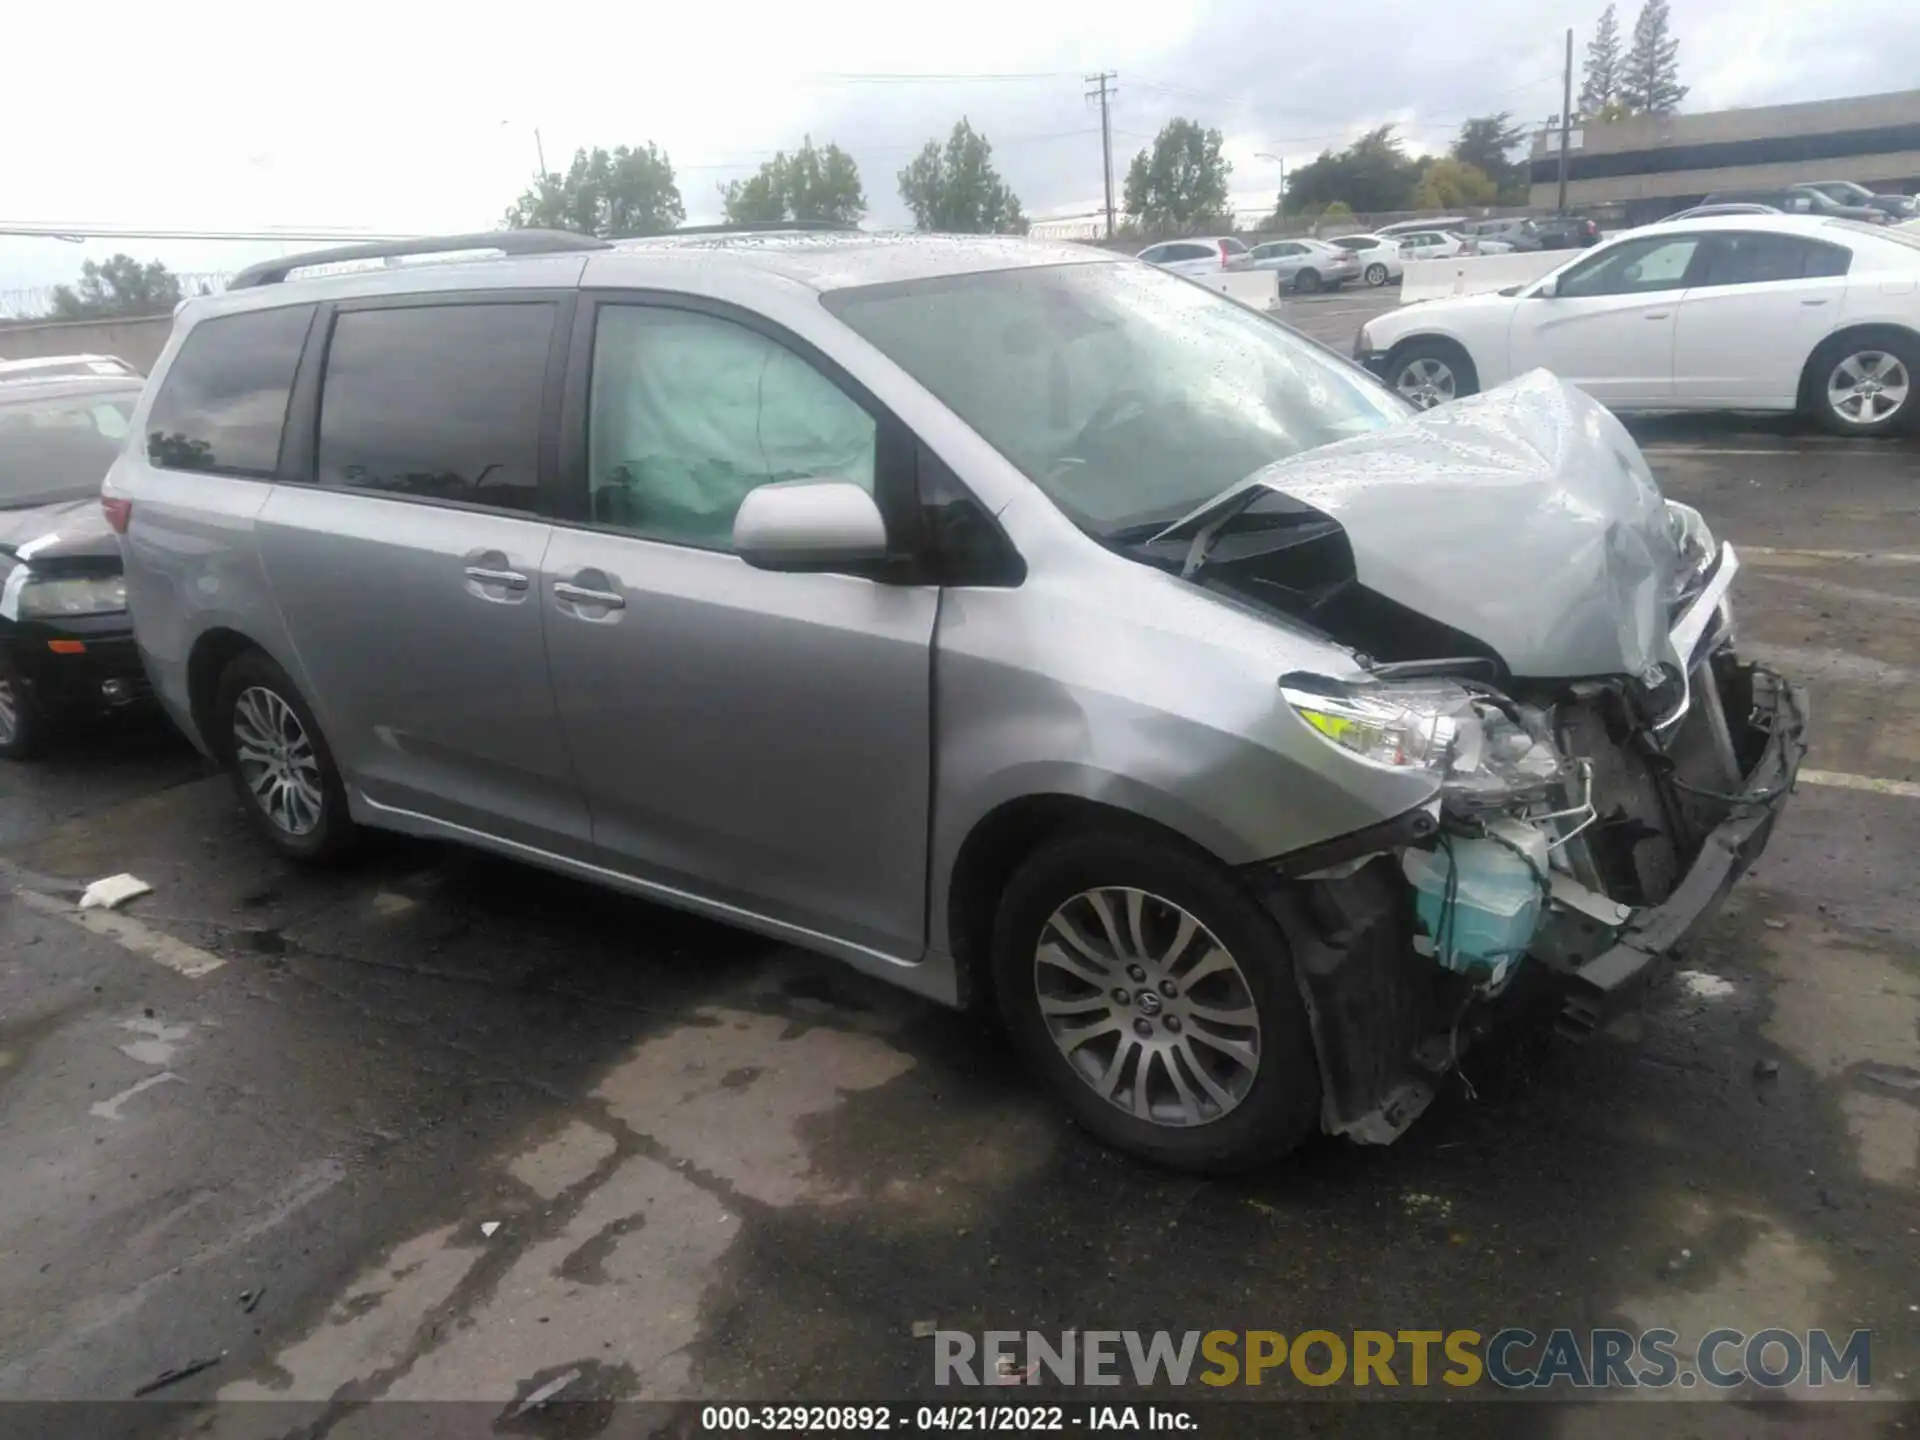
{"x": 1376, "y": 275}
{"x": 1147, "y": 1007}
{"x": 277, "y": 762}
{"x": 1427, "y": 382}
{"x": 1867, "y": 387}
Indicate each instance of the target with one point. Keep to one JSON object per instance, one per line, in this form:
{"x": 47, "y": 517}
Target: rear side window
{"x": 438, "y": 402}
{"x": 223, "y": 402}
{"x": 1740, "y": 259}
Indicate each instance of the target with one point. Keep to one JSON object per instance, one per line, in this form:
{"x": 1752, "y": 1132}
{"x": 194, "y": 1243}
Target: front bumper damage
{"x": 1682, "y": 806}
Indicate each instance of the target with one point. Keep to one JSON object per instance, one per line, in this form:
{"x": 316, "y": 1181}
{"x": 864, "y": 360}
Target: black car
{"x": 1567, "y": 232}
{"x": 1799, "y": 200}
{"x": 1846, "y": 192}
{"x": 1521, "y": 234}
{"x": 66, "y": 645}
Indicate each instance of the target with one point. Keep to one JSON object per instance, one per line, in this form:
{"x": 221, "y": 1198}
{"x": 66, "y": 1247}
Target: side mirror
{"x": 1546, "y": 289}
{"x": 804, "y": 525}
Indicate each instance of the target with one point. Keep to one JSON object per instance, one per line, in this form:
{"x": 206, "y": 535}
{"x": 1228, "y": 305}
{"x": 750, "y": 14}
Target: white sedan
{"x": 1379, "y": 256}
{"x": 1736, "y": 312}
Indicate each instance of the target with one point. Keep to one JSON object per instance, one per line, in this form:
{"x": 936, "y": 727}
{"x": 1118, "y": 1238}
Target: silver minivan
{"x": 1019, "y": 623}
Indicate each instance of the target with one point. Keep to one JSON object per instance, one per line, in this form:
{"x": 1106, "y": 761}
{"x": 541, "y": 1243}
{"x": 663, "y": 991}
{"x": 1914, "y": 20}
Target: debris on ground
{"x": 487, "y": 1227}
{"x": 250, "y": 1299}
{"x": 545, "y": 1393}
{"x": 1774, "y": 924}
{"x": 179, "y": 1373}
{"x": 113, "y": 892}
{"x": 923, "y": 1328}
{"x": 1765, "y": 1069}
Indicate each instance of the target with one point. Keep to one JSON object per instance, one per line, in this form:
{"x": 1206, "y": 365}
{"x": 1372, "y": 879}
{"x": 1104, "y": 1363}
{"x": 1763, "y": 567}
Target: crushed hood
{"x": 58, "y": 530}
{"x": 1525, "y": 518}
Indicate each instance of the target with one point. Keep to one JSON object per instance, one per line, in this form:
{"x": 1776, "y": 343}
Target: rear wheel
{"x": 1431, "y": 372}
{"x": 1307, "y": 281}
{"x": 1376, "y": 274}
{"x": 280, "y": 764}
{"x": 1867, "y": 384}
{"x": 23, "y": 729}
{"x": 1156, "y": 999}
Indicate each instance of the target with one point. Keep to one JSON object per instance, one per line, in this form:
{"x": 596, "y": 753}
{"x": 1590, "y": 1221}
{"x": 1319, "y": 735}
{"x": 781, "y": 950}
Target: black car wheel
{"x": 23, "y": 729}
{"x": 1307, "y": 282}
{"x": 1156, "y": 999}
{"x": 1376, "y": 274}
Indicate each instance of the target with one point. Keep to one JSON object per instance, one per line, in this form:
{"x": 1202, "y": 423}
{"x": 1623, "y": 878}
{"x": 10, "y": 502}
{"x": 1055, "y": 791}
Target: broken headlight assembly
{"x": 1473, "y": 740}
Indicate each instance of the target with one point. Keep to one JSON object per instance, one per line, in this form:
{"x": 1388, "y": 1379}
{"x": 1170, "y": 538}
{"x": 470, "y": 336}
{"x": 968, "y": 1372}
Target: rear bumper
{"x": 1601, "y": 987}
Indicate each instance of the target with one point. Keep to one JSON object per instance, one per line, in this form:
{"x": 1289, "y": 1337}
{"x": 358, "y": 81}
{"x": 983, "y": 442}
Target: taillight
{"x": 1225, "y": 258}
{"x": 1345, "y": 255}
{"x": 118, "y": 510}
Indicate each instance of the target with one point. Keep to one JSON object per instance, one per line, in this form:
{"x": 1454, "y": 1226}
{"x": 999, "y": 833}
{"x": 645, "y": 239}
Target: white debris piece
{"x": 113, "y": 892}
{"x": 487, "y": 1227}
{"x": 545, "y": 1393}
{"x": 1704, "y": 985}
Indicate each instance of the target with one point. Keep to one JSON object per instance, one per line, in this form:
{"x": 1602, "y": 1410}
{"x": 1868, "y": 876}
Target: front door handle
{"x": 579, "y": 595}
{"x": 1659, "y": 314}
{"x": 511, "y": 579}
{"x": 1813, "y": 302}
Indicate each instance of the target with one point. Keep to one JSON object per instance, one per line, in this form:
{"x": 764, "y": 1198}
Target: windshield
{"x": 1127, "y": 395}
{"x": 59, "y": 449}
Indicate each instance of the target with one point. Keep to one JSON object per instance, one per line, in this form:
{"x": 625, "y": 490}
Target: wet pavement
{"x": 438, "y": 1126}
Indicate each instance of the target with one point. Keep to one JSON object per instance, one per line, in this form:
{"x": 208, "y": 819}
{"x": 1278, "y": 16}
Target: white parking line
{"x": 1784, "y": 447}
{"x": 129, "y": 934}
{"x": 1856, "y": 557}
{"x": 1837, "y": 780}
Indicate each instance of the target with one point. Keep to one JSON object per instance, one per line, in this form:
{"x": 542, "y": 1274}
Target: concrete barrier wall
{"x": 138, "y": 341}
{"x": 1250, "y": 287}
{"x": 1477, "y": 274}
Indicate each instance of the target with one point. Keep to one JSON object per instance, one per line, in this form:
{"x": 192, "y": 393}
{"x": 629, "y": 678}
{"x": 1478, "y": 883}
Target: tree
{"x": 1371, "y": 175}
{"x": 1448, "y": 184}
{"x": 606, "y": 193}
{"x": 1650, "y": 78}
{"x": 817, "y": 186}
{"x": 118, "y": 285}
{"x": 958, "y": 190}
{"x": 1484, "y": 144}
{"x": 1600, "y": 78}
{"x": 1180, "y": 183}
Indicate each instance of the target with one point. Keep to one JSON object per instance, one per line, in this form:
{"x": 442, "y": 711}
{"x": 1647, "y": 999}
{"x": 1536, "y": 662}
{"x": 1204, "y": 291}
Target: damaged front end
{"x": 1585, "y": 826}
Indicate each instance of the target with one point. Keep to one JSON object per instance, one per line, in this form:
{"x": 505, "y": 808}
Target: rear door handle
{"x": 1813, "y": 302}
{"x": 578, "y": 595}
{"x": 511, "y": 579}
{"x": 1659, "y": 314}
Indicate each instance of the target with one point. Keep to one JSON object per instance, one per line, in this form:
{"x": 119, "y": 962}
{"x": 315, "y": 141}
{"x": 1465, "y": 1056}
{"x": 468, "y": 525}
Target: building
{"x": 1637, "y": 170}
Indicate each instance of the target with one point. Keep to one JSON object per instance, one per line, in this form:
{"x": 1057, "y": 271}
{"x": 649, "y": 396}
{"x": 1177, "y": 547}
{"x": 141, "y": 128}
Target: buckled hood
{"x": 60, "y": 530}
{"x": 1525, "y": 518}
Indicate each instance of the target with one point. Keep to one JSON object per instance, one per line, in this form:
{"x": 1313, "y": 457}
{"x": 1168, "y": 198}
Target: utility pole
{"x": 1566, "y": 123}
{"x": 1103, "y": 94}
{"x": 540, "y": 150}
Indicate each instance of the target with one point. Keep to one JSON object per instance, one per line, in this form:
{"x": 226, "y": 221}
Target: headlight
{"x": 1363, "y": 342}
{"x": 1690, "y": 533}
{"x": 1467, "y": 741}
{"x": 85, "y": 595}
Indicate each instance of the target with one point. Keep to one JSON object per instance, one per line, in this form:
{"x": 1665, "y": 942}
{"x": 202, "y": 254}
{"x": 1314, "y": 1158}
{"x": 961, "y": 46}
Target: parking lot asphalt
{"x": 439, "y": 1126}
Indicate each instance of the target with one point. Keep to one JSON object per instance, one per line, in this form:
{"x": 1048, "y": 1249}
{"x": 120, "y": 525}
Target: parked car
{"x": 1796, "y": 200}
{"x": 1306, "y": 265}
{"x": 1203, "y": 256}
{"x": 66, "y": 647}
{"x": 1503, "y": 236}
{"x": 1567, "y": 232}
{"x": 1379, "y": 256}
{"x": 1738, "y": 312}
{"x": 1847, "y": 192}
{"x": 1736, "y": 207}
{"x": 1404, "y": 228}
{"x": 1014, "y": 622}
{"x": 1431, "y": 245}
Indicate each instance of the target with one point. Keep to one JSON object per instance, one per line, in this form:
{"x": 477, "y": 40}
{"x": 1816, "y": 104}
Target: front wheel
{"x": 1376, "y": 274}
{"x": 280, "y": 764}
{"x": 23, "y": 729}
{"x": 1866, "y": 386}
{"x": 1431, "y": 372}
{"x": 1157, "y": 1000}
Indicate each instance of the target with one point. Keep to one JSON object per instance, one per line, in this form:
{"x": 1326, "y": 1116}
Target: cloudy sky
{"x": 397, "y": 117}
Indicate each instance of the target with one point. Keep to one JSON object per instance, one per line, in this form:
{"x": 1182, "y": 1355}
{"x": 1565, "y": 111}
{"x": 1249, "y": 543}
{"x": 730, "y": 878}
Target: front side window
{"x": 1632, "y": 267}
{"x": 223, "y": 401}
{"x": 61, "y": 448}
{"x": 438, "y": 402}
{"x": 1127, "y": 396}
{"x": 690, "y": 411}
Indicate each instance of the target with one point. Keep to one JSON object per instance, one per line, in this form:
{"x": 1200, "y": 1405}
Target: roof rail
{"x": 832, "y": 226}
{"x": 507, "y": 242}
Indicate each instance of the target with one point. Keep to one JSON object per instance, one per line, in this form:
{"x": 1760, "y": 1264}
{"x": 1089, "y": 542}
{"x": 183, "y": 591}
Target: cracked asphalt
{"x": 443, "y": 1127}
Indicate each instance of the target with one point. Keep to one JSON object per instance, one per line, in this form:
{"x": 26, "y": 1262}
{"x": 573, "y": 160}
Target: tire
{"x": 1375, "y": 275}
{"x": 1431, "y": 372}
{"x": 1866, "y": 384}
{"x": 1307, "y": 282}
{"x": 23, "y": 727}
{"x": 1242, "y": 1115}
{"x": 305, "y": 817}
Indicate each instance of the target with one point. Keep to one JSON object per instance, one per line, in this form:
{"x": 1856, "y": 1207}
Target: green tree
{"x": 1485, "y": 143}
{"x": 1650, "y": 78}
{"x": 820, "y": 186}
{"x": 1373, "y": 174}
{"x": 1180, "y": 183}
{"x": 1600, "y": 76}
{"x": 118, "y": 285}
{"x": 956, "y": 189}
{"x": 1448, "y": 184}
{"x": 606, "y": 193}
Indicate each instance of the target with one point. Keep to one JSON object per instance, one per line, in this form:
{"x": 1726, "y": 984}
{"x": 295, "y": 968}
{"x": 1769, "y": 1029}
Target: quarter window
{"x": 689, "y": 412}
{"x": 1740, "y": 259}
{"x": 437, "y": 402}
{"x": 223, "y": 401}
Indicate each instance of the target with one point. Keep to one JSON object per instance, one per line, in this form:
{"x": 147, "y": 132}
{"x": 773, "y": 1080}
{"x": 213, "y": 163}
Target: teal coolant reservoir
{"x": 1484, "y": 928}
